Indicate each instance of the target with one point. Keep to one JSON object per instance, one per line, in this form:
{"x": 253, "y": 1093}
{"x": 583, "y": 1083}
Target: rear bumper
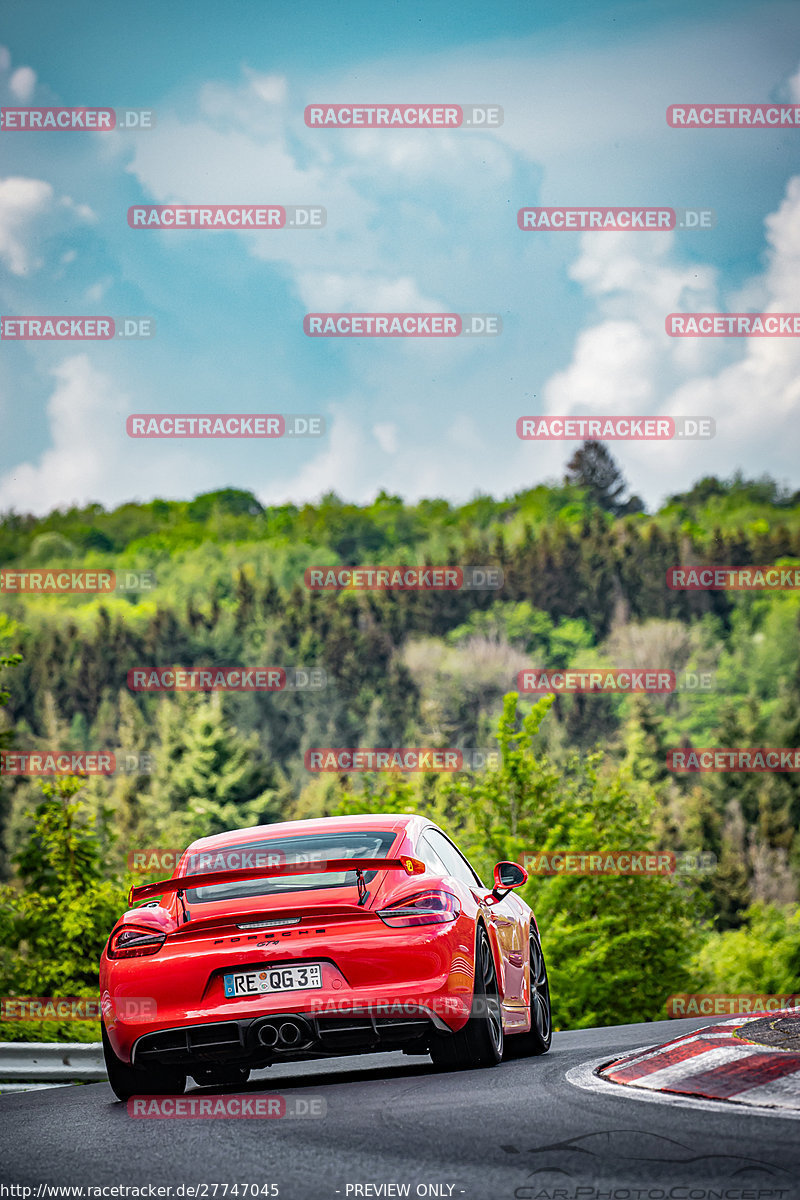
{"x": 259, "y": 1041}
{"x": 379, "y": 978}
{"x": 330, "y": 1024}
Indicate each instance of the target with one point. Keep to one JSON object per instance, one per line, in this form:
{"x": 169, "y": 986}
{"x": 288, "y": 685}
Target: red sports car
{"x": 308, "y": 939}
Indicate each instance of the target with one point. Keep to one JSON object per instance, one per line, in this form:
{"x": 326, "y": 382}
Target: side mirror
{"x": 508, "y": 875}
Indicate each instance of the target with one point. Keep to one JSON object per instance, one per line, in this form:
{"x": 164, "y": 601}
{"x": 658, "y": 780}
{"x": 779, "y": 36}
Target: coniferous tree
{"x": 593, "y": 468}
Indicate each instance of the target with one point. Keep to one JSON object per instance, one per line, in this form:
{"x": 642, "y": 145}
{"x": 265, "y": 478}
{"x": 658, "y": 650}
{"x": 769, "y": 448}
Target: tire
{"x": 480, "y": 1042}
{"x": 538, "y": 1040}
{"x": 127, "y": 1081}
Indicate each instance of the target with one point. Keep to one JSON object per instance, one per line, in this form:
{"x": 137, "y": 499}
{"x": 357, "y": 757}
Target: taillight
{"x": 426, "y": 908}
{"x": 130, "y": 942}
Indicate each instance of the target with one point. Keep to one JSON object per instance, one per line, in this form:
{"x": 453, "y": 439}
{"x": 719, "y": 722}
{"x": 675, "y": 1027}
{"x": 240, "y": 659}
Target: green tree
{"x": 593, "y": 468}
{"x": 617, "y": 947}
{"x": 763, "y": 955}
{"x": 208, "y": 776}
{"x": 7, "y": 661}
{"x": 56, "y": 914}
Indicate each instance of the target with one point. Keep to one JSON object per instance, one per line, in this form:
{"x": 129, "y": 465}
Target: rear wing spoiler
{"x": 182, "y": 883}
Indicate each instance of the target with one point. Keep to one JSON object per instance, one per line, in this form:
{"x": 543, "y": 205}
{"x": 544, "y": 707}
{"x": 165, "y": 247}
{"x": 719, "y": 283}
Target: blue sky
{"x": 417, "y": 220}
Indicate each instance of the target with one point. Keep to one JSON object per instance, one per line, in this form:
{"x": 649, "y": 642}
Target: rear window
{"x": 310, "y": 848}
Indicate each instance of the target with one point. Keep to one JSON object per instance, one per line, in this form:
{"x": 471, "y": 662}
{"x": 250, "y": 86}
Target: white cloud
{"x": 385, "y": 434}
{"x": 22, "y": 201}
{"x": 362, "y": 457}
{"x": 751, "y": 387}
{"x": 90, "y": 457}
{"x": 339, "y": 466}
{"x": 793, "y": 87}
{"x": 611, "y": 371}
{"x": 358, "y": 292}
{"x": 84, "y": 443}
{"x": 95, "y": 293}
{"x": 419, "y": 222}
{"x": 626, "y": 362}
{"x": 271, "y": 89}
{"x": 22, "y": 84}
{"x": 29, "y": 211}
{"x": 246, "y": 143}
{"x": 636, "y": 274}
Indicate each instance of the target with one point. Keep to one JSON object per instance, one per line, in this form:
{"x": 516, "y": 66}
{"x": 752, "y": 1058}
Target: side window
{"x": 430, "y": 857}
{"x": 454, "y": 861}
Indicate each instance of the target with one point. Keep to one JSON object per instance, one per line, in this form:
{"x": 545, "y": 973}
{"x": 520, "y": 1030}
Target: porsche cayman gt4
{"x": 309, "y": 939}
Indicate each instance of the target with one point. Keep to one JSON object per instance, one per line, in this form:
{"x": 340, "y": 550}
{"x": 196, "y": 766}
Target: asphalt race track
{"x": 519, "y": 1130}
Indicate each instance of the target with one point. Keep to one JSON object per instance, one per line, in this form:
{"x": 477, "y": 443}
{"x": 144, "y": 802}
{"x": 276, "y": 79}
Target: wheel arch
{"x": 480, "y": 923}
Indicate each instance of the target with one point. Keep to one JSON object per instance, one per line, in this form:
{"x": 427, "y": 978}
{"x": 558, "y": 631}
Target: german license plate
{"x": 272, "y": 979}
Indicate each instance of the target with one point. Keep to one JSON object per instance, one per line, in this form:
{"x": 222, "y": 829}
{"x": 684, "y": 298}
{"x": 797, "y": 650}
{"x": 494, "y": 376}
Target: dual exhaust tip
{"x": 286, "y": 1034}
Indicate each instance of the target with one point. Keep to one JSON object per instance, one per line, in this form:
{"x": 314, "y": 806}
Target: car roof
{"x": 390, "y": 822}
